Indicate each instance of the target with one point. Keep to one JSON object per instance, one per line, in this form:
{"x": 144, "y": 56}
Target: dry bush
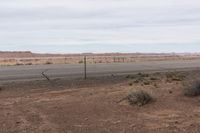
{"x": 19, "y": 64}
{"x": 192, "y": 88}
{"x": 155, "y": 85}
{"x": 139, "y": 98}
{"x": 143, "y": 75}
{"x": 130, "y": 84}
{"x": 140, "y": 78}
{"x": 80, "y": 62}
{"x": 146, "y": 82}
{"x": 153, "y": 78}
{"x": 175, "y": 77}
{"x": 29, "y": 63}
{"x": 48, "y": 62}
{"x": 128, "y": 76}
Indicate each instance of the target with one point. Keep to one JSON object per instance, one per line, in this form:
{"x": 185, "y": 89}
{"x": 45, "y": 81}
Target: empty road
{"x": 32, "y": 72}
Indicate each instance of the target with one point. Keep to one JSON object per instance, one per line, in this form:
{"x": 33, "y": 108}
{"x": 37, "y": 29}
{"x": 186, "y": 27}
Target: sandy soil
{"x": 28, "y": 58}
{"x": 91, "y": 106}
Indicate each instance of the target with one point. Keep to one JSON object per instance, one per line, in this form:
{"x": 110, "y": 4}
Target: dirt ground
{"x": 91, "y": 106}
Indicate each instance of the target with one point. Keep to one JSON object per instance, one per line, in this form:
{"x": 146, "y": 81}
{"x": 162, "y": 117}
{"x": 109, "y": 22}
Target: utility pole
{"x": 85, "y": 65}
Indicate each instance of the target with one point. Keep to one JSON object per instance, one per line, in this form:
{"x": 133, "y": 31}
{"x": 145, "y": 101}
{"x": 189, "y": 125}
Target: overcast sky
{"x": 100, "y": 25}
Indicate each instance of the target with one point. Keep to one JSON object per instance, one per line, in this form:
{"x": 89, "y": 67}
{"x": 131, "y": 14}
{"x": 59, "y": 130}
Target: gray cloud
{"x": 77, "y": 22}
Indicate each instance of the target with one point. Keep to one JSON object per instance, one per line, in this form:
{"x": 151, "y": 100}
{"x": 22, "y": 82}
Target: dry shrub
{"x": 130, "y": 84}
{"x": 19, "y": 64}
{"x": 128, "y": 76}
{"x": 80, "y": 62}
{"x": 153, "y": 78}
{"x": 143, "y": 75}
{"x": 146, "y": 82}
{"x": 175, "y": 77}
{"x": 192, "y": 88}
{"x": 48, "y": 62}
{"x": 29, "y": 63}
{"x": 139, "y": 98}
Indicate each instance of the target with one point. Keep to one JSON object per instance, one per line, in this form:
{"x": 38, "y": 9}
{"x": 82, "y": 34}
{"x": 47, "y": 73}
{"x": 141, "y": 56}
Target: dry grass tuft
{"x": 139, "y": 98}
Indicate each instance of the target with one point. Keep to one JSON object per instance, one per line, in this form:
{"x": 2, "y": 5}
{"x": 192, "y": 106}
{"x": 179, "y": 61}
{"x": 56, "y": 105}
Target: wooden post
{"x": 85, "y": 65}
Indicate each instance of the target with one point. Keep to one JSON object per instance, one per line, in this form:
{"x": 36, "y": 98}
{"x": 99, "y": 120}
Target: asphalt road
{"x": 33, "y": 72}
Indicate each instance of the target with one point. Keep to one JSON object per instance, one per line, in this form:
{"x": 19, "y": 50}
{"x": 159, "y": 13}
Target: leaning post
{"x": 85, "y": 67}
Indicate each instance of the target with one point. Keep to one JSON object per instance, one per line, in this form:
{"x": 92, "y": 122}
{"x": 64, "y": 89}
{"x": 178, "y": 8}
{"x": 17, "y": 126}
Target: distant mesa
{"x": 16, "y": 54}
{"x": 29, "y": 54}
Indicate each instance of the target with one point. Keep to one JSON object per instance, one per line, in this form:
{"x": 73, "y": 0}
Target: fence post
{"x": 85, "y": 70}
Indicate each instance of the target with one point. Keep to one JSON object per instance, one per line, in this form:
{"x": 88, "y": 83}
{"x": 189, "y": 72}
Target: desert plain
{"x": 29, "y": 58}
{"x": 99, "y": 104}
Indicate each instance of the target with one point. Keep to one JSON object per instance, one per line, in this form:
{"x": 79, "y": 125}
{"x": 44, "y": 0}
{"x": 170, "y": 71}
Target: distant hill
{"x": 29, "y": 54}
{"x": 15, "y": 54}
{"x": 25, "y": 54}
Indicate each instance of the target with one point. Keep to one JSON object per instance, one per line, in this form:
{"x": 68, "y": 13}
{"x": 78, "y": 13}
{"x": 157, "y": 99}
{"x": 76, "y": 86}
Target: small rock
{"x": 191, "y": 125}
{"x": 116, "y": 122}
{"x": 170, "y": 92}
{"x": 18, "y": 122}
{"x": 176, "y": 122}
{"x": 133, "y": 125}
